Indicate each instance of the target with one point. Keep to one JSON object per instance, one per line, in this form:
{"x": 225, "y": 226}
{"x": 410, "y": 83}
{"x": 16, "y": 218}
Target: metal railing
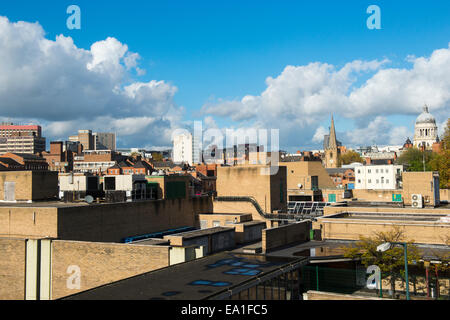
{"x": 297, "y": 210}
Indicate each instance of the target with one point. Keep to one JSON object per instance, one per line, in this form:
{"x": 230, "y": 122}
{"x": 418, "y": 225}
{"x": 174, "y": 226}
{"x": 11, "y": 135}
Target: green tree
{"x": 441, "y": 161}
{"x": 390, "y": 262}
{"x": 413, "y": 159}
{"x": 156, "y": 156}
{"x": 350, "y": 157}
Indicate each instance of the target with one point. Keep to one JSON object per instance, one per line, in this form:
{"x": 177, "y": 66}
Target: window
{"x": 359, "y": 171}
{"x": 359, "y": 180}
{"x": 387, "y": 180}
{"x": 378, "y": 181}
{"x": 370, "y": 181}
{"x": 376, "y": 170}
{"x": 216, "y": 223}
{"x": 369, "y": 171}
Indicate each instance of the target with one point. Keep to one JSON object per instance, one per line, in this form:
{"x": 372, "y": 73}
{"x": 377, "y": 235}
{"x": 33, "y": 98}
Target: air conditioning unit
{"x": 416, "y": 201}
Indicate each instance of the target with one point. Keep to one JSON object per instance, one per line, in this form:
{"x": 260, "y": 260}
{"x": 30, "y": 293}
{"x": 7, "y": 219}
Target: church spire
{"x": 332, "y": 142}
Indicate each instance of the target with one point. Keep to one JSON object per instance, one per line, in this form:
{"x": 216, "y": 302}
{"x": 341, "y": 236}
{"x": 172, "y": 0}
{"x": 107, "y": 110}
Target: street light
{"x": 386, "y": 246}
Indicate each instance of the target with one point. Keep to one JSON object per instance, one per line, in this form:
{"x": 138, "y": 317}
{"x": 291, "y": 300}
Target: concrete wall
{"x": 12, "y": 269}
{"x": 95, "y": 264}
{"x": 277, "y": 237}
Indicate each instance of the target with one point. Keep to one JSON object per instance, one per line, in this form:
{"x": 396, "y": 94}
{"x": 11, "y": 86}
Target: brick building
{"x": 57, "y": 159}
{"x": 26, "y": 161}
{"x": 21, "y": 139}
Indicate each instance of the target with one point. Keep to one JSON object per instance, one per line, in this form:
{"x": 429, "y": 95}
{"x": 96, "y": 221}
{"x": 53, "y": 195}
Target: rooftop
{"x": 200, "y": 233}
{"x": 387, "y": 216}
{"x": 194, "y": 280}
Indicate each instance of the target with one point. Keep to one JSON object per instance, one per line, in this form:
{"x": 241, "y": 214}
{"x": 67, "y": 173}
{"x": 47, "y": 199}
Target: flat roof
{"x": 44, "y": 204}
{"x": 199, "y": 233}
{"x": 386, "y": 216}
{"x": 193, "y": 280}
{"x": 151, "y": 242}
{"x": 225, "y": 214}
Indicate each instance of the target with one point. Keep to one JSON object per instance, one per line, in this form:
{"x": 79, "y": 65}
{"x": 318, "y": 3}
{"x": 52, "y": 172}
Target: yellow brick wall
{"x": 248, "y": 181}
{"x": 102, "y": 263}
{"x": 287, "y": 234}
{"x": 12, "y": 269}
{"x": 431, "y": 233}
{"x": 28, "y": 222}
{"x": 113, "y": 222}
{"x": 301, "y": 172}
{"x": 30, "y": 185}
{"x": 102, "y": 222}
{"x": 23, "y": 184}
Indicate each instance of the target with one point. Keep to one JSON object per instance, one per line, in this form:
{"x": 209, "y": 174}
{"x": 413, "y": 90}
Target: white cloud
{"x": 319, "y": 135}
{"x": 379, "y": 131}
{"x": 301, "y": 97}
{"x": 65, "y": 87}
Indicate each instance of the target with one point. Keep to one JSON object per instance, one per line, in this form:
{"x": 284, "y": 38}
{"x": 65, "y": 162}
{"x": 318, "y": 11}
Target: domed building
{"x": 426, "y": 130}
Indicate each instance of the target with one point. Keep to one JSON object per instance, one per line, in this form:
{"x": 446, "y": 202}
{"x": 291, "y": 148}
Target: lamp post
{"x": 386, "y": 246}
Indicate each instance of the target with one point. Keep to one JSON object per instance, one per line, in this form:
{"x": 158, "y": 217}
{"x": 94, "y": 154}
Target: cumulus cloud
{"x": 319, "y": 134}
{"x": 67, "y": 88}
{"x": 302, "y": 97}
{"x": 379, "y": 131}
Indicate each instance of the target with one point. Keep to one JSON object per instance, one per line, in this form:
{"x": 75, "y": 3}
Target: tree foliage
{"x": 350, "y": 157}
{"x": 413, "y": 159}
{"x": 391, "y": 261}
{"x": 441, "y": 161}
{"x": 156, "y": 156}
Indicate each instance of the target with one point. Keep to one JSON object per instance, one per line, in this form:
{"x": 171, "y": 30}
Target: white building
{"x": 425, "y": 130}
{"x": 378, "y": 177}
{"x": 186, "y": 149}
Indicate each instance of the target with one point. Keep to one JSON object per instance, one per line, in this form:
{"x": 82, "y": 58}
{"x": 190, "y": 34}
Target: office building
{"x": 21, "y": 138}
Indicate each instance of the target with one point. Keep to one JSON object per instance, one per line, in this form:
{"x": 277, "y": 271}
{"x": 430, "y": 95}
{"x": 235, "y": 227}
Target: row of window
{"x": 376, "y": 171}
{"x": 377, "y": 181}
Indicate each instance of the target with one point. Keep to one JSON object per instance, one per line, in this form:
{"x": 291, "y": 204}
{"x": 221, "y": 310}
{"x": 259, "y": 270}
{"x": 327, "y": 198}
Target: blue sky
{"x": 215, "y": 51}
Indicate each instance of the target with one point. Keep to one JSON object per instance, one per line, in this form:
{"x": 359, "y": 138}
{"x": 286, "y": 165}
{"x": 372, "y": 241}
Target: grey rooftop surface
{"x": 194, "y": 280}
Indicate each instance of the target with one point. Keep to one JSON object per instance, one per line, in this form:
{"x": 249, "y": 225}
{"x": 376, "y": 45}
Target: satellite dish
{"x": 89, "y": 199}
{"x": 299, "y": 185}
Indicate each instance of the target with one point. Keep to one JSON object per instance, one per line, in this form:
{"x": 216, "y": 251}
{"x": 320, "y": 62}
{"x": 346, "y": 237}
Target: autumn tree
{"x": 414, "y": 159}
{"x": 156, "y": 156}
{"x": 441, "y": 162}
{"x": 350, "y": 157}
{"x": 390, "y": 262}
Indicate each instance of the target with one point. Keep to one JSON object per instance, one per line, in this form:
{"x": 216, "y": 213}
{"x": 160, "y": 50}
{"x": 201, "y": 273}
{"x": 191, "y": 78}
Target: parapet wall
{"x": 100, "y": 222}
{"x": 288, "y": 234}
